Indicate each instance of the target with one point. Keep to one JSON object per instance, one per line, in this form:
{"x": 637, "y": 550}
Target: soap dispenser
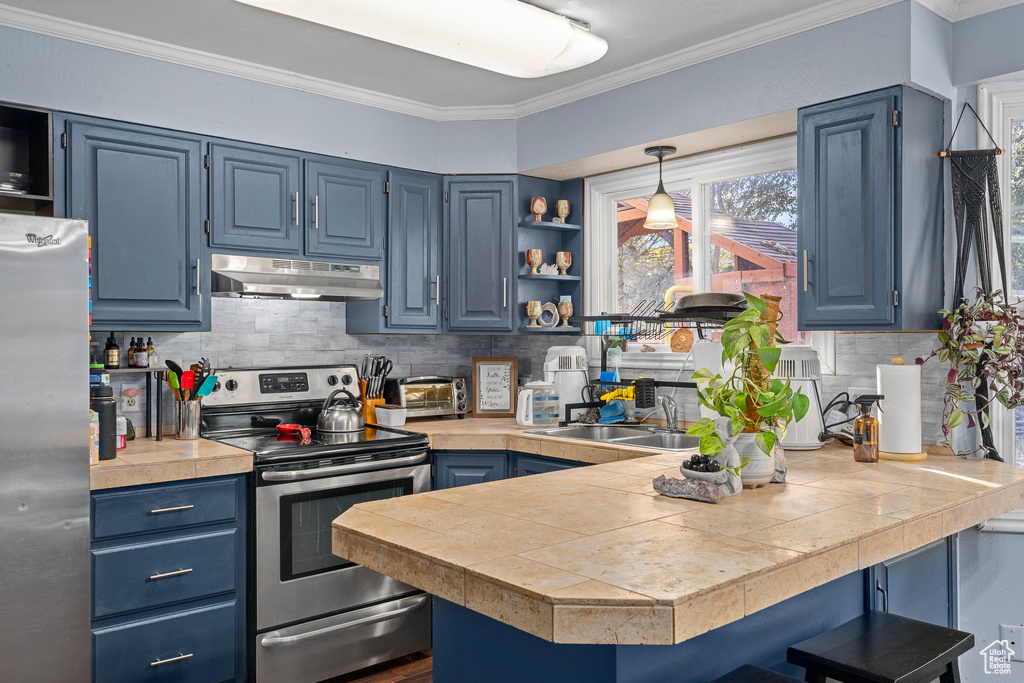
{"x": 865, "y": 430}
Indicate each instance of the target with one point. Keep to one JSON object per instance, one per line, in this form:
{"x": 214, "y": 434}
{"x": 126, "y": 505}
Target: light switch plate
{"x": 1014, "y": 636}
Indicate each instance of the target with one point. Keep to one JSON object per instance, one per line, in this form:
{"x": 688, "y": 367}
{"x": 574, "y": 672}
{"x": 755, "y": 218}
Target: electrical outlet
{"x": 1014, "y": 637}
{"x": 131, "y": 395}
{"x": 857, "y": 392}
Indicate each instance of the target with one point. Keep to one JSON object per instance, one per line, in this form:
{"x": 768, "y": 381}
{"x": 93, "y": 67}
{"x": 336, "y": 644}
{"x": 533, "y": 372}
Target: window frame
{"x": 998, "y": 105}
{"x": 694, "y": 173}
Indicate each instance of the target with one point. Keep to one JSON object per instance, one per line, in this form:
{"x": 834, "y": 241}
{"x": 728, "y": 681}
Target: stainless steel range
{"x": 317, "y": 616}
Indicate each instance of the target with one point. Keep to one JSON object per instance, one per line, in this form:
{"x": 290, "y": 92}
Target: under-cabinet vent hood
{"x": 293, "y": 279}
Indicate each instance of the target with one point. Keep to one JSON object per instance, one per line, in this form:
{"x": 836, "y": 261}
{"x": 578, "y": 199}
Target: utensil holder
{"x": 187, "y": 419}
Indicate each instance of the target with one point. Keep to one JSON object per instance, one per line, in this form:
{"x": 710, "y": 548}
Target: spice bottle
{"x": 112, "y": 354}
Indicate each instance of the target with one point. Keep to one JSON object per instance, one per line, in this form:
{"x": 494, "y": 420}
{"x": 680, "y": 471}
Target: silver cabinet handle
{"x": 179, "y": 658}
{"x": 270, "y": 640}
{"x": 316, "y": 212}
{"x": 885, "y": 595}
{"x": 805, "y": 270}
{"x": 296, "y": 208}
{"x": 176, "y": 508}
{"x": 298, "y": 475}
{"x": 437, "y": 289}
{"x": 197, "y": 276}
{"x": 504, "y": 292}
{"x": 168, "y": 575}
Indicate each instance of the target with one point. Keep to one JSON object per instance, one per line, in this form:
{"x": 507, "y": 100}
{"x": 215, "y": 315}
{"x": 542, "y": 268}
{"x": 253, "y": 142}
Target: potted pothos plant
{"x": 983, "y": 340}
{"x": 760, "y": 407}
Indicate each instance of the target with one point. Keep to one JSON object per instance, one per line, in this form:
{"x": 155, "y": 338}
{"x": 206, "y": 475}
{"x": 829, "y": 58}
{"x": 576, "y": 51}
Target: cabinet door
{"x": 920, "y": 584}
{"x": 846, "y": 213}
{"x": 528, "y": 464}
{"x": 254, "y": 200}
{"x": 414, "y": 267}
{"x": 461, "y": 468}
{"x": 139, "y": 189}
{"x": 345, "y": 210}
{"x": 480, "y": 254}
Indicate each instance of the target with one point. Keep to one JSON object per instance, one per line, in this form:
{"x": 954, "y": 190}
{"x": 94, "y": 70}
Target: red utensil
{"x": 188, "y": 379}
{"x": 290, "y": 428}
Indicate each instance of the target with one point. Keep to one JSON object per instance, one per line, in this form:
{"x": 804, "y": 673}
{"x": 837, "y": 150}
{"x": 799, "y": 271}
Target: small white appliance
{"x": 707, "y": 354}
{"x": 566, "y": 368}
{"x": 801, "y": 365}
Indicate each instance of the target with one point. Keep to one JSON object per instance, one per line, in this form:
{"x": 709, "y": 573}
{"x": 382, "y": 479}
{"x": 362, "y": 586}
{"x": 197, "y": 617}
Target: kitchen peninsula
{"x": 564, "y": 576}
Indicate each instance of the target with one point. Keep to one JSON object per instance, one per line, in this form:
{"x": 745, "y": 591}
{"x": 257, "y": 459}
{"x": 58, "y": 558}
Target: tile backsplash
{"x": 248, "y": 333}
{"x": 267, "y": 332}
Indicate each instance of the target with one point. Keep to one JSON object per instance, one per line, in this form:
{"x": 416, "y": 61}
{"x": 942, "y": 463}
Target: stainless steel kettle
{"x": 340, "y": 418}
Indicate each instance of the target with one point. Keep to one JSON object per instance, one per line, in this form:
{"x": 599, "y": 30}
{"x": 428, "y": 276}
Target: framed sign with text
{"x": 494, "y": 386}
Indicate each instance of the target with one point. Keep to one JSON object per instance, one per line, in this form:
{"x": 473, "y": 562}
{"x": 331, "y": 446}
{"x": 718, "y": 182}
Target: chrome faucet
{"x": 669, "y": 406}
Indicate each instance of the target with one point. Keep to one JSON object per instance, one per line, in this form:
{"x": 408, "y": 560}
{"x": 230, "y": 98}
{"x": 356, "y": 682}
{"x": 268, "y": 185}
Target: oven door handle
{"x": 270, "y": 640}
{"x": 299, "y": 475}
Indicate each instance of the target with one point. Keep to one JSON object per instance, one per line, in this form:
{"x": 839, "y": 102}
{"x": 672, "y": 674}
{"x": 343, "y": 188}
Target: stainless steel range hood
{"x": 295, "y": 279}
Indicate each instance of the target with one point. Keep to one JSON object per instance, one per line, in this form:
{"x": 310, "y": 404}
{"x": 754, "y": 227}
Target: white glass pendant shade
{"x": 505, "y": 36}
{"x": 661, "y": 211}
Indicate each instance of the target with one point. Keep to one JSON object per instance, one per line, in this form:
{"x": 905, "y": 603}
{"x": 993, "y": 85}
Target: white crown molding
{"x": 27, "y": 20}
{"x": 958, "y": 10}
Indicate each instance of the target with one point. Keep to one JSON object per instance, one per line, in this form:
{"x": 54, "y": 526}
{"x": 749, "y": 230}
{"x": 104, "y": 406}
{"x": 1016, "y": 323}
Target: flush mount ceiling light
{"x": 661, "y": 209}
{"x": 506, "y": 36}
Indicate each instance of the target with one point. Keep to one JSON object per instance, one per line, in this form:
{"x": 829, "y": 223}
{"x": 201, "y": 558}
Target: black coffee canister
{"x": 101, "y": 399}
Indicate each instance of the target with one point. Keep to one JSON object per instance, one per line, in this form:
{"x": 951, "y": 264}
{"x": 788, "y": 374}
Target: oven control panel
{"x": 275, "y": 385}
{"x": 283, "y": 382}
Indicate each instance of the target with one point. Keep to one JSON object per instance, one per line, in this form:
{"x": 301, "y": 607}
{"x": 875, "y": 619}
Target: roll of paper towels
{"x": 899, "y": 417}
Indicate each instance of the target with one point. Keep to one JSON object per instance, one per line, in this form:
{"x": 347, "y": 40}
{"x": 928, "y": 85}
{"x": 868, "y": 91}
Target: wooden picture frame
{"x": 495, "y": 387}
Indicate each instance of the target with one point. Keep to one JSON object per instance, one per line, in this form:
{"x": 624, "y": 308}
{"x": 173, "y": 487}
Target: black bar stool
{"x": 879, "y": 647}
{"x": 748, "y": 673}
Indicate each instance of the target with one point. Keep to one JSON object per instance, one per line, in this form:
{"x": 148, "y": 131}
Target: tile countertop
{"x": 594, "y": 555}
{"x": 148, "y": 461}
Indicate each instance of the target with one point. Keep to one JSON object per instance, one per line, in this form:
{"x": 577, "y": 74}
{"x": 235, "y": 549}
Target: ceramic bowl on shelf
{"x": 14, "y": 182}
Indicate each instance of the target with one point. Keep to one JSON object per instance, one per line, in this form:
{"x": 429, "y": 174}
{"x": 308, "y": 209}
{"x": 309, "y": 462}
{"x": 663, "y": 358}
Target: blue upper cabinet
{"x": 141, "y": 191}
{"x": 344, "y": 210}
{"x": 480, "y": 253}
{"x": 255, "y": 203}
{"x": 870, "y": 260}
{"x": 413, "y": 254}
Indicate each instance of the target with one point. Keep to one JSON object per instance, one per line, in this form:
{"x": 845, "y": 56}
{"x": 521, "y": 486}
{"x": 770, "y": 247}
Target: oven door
{"x": 297, "y": 576}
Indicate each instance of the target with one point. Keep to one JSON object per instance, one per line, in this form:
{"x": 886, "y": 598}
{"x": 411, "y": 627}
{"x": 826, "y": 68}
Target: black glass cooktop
{"x": 272, "y": 445}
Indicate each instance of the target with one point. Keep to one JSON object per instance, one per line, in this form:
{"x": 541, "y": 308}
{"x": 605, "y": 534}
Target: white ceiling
{"x": 645, "y": 37}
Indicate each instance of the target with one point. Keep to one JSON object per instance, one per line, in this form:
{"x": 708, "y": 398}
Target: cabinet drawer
{"x": 161, "y": 508}
{"x": 203, "y": 642}
{"x": 144, "y": 575}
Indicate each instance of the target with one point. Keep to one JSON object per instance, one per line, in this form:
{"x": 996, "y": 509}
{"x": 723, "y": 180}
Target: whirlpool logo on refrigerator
{"x": 41, "y": 240}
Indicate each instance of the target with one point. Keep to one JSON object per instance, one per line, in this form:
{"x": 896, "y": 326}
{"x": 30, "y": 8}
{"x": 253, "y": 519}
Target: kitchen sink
{"x": 663, "y": 441}
{"x": 635, "y": 436}
{"x": 593, "y": 433}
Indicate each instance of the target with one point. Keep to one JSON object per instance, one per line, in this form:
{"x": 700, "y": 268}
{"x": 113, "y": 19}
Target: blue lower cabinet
{"x": 193, "y": 646}
{"x": 144, "y": 575}
{"x": 461, "y": 468}
{"x": 921, "y": 584}
{"x": 526, "y": 464}
{"x": 168, "y": 582}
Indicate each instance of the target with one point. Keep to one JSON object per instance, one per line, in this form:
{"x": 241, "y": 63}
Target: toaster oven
{"x": 428, "y": 396}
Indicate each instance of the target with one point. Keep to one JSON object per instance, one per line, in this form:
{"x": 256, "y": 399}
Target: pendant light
{"x": 661, "y": 209}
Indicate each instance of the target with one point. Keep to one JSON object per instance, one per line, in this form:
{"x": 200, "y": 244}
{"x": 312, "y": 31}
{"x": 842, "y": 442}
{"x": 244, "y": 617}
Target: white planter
{"x": 761, "y": 468}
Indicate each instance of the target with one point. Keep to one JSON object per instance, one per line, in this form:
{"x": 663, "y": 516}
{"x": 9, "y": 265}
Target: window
{"x": 736, "y": 212}
{"x": 1001, "y": 107}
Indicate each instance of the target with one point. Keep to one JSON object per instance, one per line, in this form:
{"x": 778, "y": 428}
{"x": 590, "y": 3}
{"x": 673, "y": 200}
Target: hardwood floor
{"x": 417, "y": 668}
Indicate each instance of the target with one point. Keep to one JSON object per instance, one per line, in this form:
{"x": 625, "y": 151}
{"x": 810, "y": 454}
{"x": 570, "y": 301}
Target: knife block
{"x": 369, "y": 409}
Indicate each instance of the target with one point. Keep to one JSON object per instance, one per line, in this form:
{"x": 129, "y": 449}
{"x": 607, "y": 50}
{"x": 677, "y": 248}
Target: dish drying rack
{"x": 648, "y": 321}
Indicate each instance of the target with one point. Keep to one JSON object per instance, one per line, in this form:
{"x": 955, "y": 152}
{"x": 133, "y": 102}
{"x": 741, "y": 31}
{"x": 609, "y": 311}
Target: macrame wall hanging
{"x": 976, "y": 183}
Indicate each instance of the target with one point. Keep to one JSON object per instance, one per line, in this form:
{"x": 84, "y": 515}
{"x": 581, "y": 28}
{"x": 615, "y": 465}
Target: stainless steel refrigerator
{"x": 44, "y": 450}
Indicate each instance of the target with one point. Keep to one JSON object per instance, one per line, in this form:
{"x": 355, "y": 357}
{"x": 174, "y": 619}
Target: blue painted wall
{"x": 988, "y": 46}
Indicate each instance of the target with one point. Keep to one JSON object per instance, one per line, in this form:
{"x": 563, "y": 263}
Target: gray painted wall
{"x": 859, "y": 54}
{"x": 988, "y": 46}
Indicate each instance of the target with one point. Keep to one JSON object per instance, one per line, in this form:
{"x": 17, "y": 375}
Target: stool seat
{"x": 878, "y": 647}
{"x": 748, "y": 673}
